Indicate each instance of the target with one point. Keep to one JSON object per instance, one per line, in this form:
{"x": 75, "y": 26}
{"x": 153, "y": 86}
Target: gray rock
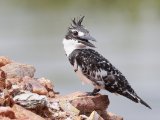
{"x": 54, "y": 106}
{"x": 14, "y": 70}
{"x": 31, "y": 100}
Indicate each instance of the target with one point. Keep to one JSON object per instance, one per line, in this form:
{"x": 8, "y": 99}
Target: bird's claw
{"x": 91, "y": 94}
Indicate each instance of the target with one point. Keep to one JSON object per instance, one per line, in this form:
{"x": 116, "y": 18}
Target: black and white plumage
{"x": 92, "y": 67}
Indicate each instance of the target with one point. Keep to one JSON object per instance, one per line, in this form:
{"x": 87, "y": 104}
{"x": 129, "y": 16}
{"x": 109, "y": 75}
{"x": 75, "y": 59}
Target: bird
{"x": 92, "y": 67}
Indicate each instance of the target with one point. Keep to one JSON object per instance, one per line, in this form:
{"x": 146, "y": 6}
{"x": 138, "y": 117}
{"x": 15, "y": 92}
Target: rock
{"x": 51, "y": 94}
{"x": 46, "y": 83}
{"x": 54, "y": 106}
{"x": 23, "y": 114}
{"x": 5, "y": 98}
{"x": 33, "y": 86}
{"x": 5, "y": 118}
{"x": 18, "y": 86}
{"x": 87, "y": 104}
{"x": 31, "y": 100}
{"x": 8, "y": 101}
{"x": 69, "y": 108}
{"x": 15, "y": 90}
{"x": 4, "y": 61}
{"x": 63, "y": 110}
{"x": 7, "y": 112}
{"x": 2, "y": 75}
{"x": 8, "y": 85}
{"x": 111, "y": 116}
{"x": 95, "y": 116}
{"x": 14, "y": 81}
{"x": 13, "y": 85}
{"x": 14, "y": 70}
{"x": 83, "y": 117}
{"x": 56, "y": 111}
{"x": 2, "y": 101}
{"x": 49, "y": 86}
{"x": 59, "y": 115}
{"x": 2, "y": 80}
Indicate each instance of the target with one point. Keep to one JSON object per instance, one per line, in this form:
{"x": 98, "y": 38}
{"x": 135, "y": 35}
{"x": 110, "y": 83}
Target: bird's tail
{"x": 135, "y": 98}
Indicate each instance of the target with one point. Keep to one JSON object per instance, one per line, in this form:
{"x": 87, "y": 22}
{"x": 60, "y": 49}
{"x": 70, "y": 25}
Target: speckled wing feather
{"x": 102, "y": 73}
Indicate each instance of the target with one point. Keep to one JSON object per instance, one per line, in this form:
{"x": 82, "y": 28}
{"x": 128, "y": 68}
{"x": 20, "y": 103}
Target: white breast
{"x": 71, "y": 44}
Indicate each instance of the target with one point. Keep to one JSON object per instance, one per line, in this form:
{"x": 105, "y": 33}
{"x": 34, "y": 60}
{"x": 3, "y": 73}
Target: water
{"x": 128, "y": 34}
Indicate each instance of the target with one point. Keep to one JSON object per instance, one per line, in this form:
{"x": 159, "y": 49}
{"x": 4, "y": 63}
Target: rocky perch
{"x": 23, "y": 97}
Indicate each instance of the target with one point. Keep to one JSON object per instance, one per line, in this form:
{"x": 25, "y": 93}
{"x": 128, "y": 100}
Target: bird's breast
{"x": 82, "y": 77}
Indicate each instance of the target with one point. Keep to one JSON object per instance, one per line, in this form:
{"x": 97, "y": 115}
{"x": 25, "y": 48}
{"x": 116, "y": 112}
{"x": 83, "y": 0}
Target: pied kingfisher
{"x": 92, "y": 67}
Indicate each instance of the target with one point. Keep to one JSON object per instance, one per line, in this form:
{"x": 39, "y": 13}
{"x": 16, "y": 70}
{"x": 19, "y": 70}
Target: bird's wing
{"x": 102, "y": 73}
{"x": 95, "y": 67}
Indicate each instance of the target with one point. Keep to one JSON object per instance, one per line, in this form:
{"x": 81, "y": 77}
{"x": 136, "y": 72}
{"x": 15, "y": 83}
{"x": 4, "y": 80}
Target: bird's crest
{"x": 77, "y": 23}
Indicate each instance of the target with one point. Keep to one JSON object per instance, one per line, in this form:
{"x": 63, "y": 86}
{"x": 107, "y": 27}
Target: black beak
{"x": 85, "y": 40}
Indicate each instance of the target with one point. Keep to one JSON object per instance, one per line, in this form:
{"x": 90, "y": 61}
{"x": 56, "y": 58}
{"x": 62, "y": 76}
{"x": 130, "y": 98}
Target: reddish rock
{"x": 86, "y": 104}
{"x": 51, "y": 94}
{"x": 9, "y": 101}
{"x": 14, "y": 70}
{"x": 13, "y": 85}
{"x": 2, "y": 75}
{"x": 14, "y": 81}
{"x": 89, "y": 103}
{"x": 2, "y": 80}
{"x": 2, "y": 100}
{"x": 17, "y": 82}
{"x": 49, "y": 86}
{"x": 8, "y": 85}
{"x": 34, "y": 86}
{"x": 2, "y": 85}
{"x": 46, "y": 83}
{"x": 5, "y": 118}
{"x": 6, "y": 99}
{"x": 23, "y": 114}
{"x": 15, "y": 90}
{"x": 7, "y": 112}
{"x": 4, "y": 61}
{"x": 112, "y": 116}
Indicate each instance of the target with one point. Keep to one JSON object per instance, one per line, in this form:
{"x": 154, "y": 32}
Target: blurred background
{"x": 127, "y": 33}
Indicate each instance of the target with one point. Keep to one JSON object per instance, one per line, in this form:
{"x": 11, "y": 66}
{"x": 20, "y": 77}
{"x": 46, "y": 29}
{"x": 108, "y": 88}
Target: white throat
{"x": 71, "y": 45}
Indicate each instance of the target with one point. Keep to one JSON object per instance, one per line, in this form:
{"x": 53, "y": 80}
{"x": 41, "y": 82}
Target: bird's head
{"x": 77, "y": 36}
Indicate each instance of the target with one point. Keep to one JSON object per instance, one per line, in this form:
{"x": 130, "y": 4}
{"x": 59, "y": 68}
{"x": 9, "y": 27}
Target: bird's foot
{"x": 93, "y": 93}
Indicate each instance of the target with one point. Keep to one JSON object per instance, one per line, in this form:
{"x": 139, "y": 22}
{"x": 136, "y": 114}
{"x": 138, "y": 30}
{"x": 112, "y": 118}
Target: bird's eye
{"x": 75, "y": 33}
